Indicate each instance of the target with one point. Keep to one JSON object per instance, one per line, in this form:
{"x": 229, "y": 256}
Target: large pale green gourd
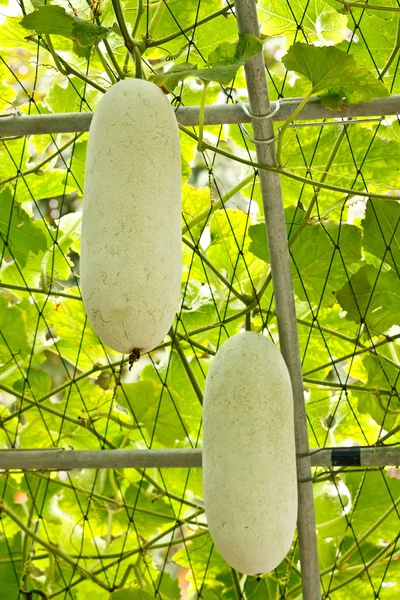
{"x": 131, "y": 257}
{"x": 249, "y": 460}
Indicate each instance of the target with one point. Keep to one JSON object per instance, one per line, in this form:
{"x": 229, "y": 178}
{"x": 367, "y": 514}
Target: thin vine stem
{"x": 393, "y": 53}
{"x": 112, "y": 501}
{"x": 106, "y": 66}
{"x": 198, "y": 23}
{"x": 62, "y": 65}
{"x": 64, "y": 417}
{"x": 363, "y": 6}
{"x": 286, "y": 125}
{"x": 44, "y": 162}
{"x": 129, "y": 43}
{"x": 330, "y": 385}
{"x": 143, "y": 548}
{"x": 139, "y": 14}
{"x": 52, "y": 548}
{"x": 315, "y": 184}
{"x": 201, "y": 115}
{"x": 317, "y": 190}
{"x": 28, "y": 541}
{"x": 156, "y": 18}
{"x": 354, "y": 548}
{"x": 363, "y": 350}
{"x": 21, "y": 288}
{"x": 188, "y": 369}
{"x": 217, "y": 204}
{"x": 209, "y": 264}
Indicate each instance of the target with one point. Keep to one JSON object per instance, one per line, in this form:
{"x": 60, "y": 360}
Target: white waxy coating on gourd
{"x": 131, "y": 256}
{"x": 249, "y": 460}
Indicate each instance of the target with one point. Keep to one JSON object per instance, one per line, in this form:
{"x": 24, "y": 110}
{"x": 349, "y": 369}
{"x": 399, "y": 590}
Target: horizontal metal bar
{"x": 215, "y": 114}
{"x": 60, "y": 459}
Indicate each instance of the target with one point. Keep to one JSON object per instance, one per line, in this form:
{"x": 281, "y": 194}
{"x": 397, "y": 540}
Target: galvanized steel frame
{"x": 14, "y": 124}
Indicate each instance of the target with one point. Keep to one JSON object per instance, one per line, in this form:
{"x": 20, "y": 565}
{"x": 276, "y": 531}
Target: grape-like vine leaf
{"x": 18, "y": 232}
{"x": 54, "y": 20}
{"x": 322, "y": 24}
{"x": 224, "y": 63}
{"x": 372, "y": 296}
{"x": 382, "y": 232}
{"x": 333, "y": 74}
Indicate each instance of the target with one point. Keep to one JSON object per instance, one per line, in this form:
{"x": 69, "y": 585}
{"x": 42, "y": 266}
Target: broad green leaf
{"x": 77, "y": 341}
{"x": 329, "y": 510}
{"x": 18, "y": 230}
{"x": 225, "y": 61}
{"x": 7, "y": 92}
{"x": 376, "y": 492}
{"x": 381, "y": 236}
{"x": 294, "y": 217}
{"x": 334, "y": 72}
{"x": 319, "y": 268}
{"x": 10, "y": 572}
{"x": 69, "y": 98}
{"x": 377, "y": 39}
{"x": 237, "y": 53}
{"x": 13, "y": 35}
{"x": 39, "y": 383}
{"x": 53, "y": 19}
{"x": 321, "y": 23}
{"x": 154, "y": 410}
{"x": 373, "y": 296}
{"x": 178, "y": 385}
{"x": 13, "y": 338}
{"x": 317, "y": 265}
{"x": 206, "y": 564}
{"x": 381, "y": 375}
{"x": 228, "y": 231}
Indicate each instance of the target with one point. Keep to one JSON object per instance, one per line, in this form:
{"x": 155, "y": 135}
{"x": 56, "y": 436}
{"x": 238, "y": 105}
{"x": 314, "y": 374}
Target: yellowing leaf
{"x": 321, "y": 23}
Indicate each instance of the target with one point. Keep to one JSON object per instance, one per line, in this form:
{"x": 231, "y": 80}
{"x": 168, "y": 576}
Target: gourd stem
{"x": 201, "y": 116}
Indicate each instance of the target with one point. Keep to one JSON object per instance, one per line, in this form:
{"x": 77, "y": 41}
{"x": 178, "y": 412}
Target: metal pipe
{"x": 60, "y": 459}
{"x": 247, "y": 19}
{"x": 215, "y": 114}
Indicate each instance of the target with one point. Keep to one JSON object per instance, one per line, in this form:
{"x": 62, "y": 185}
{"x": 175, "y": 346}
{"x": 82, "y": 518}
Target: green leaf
{"x": 226, "y": 60}
{"x": 54, "y": 20}
{"x": 334, "y": 72}
{"x": 39, "y": 384}
{"x": 372, "y": 296}
{"x": 381, "y": 375}
{"x": 381, "y": 236}
{"x": 61, "y": 99}
{"x": 294, "y": 217}
{"x": 237, "y": 53}
{"x": 321, "y": 23}
{"x": 18, "y": 230}
{"x": 317, "y": 266}
{"x": 13, "y": 339}
{"x": 152, "y": 407}
{"x": 379, "y": 31}
{"x": 11, "y": 572}
{"x": 7, "y": 92}
{"x": 204, "y": 561}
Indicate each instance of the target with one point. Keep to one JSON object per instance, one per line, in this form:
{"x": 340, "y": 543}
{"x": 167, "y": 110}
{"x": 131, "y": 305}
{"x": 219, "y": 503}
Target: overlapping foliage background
{"x": 141, "y": 534}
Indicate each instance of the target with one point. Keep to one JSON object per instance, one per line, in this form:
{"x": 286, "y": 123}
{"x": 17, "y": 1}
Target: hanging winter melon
{"x": 131, "y": 240}
{"x": 249, "y": 461}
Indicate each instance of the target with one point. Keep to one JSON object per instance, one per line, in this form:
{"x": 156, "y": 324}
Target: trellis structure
{"x": 285, "y": 311}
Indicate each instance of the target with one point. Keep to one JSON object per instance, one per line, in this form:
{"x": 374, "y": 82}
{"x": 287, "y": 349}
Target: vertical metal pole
{"x": 284, "y": 301}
